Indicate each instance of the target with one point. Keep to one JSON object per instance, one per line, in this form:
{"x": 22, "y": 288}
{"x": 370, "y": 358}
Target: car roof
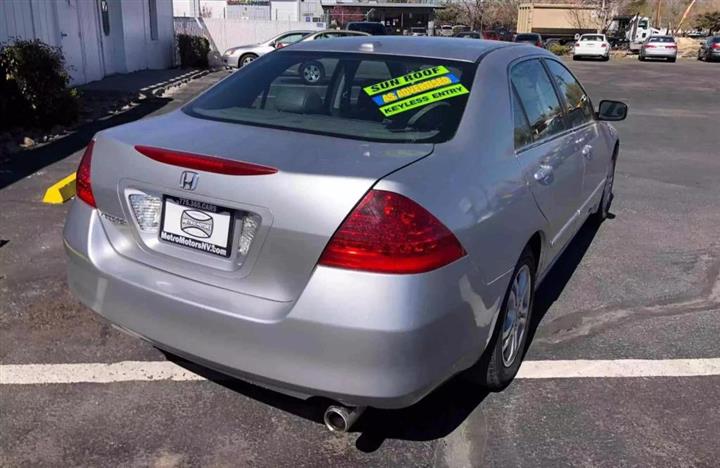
{"x": 468, "y": 50}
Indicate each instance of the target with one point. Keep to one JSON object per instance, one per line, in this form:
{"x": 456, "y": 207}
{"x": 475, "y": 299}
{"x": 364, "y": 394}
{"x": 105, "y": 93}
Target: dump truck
{"x": 558, "y": 23}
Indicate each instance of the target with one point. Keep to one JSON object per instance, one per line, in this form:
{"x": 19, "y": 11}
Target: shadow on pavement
{"x": 439, "y": 413}
{"x": 19, "y": 165}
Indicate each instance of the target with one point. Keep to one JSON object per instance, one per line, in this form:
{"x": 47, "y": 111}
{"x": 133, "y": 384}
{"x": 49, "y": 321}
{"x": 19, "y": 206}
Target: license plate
{"x": 197, "y": 225}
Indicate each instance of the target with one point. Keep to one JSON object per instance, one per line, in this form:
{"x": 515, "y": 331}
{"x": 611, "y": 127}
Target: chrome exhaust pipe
{"x": 341, "y": 418}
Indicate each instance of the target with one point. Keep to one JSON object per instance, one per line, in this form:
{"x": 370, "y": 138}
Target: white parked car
{"x": 592, "y": 45}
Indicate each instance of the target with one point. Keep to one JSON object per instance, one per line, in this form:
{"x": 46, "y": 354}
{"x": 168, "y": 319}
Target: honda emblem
{"x": 189, "y": 180}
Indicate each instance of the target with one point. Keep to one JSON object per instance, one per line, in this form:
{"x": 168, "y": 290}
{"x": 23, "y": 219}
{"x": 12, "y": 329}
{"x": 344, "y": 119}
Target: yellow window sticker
{"x": 405, "y": 80}
{"x": 424, "y": 99}
{"x": 417, "y": 88}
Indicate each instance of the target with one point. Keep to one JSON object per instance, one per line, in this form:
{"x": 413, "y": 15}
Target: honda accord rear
{"x": 346, "y": 238}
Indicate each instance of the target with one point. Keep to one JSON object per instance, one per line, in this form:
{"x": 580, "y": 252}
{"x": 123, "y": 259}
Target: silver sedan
{"x": 237, "y": 57}
{"x": 363, "y": 238}
{"x": 663, "y": 47}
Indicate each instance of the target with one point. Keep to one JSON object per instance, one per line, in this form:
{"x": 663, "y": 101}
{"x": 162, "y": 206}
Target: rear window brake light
{"x": 205, "y": 163}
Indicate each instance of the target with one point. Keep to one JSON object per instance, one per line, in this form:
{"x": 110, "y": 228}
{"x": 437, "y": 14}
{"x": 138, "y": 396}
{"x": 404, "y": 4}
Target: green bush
{"x": 559, "y": 49}
{"x": 193, "y": 51}
{"x": 33, "y": 85}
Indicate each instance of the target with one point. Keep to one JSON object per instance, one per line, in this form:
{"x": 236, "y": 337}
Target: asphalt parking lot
{"x": 643, "y": 285}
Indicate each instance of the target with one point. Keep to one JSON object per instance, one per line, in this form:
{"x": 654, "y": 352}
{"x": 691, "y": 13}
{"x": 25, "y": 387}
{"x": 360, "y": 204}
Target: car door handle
{"x": 544, "y": 174}
{"x": 587, "y": 152}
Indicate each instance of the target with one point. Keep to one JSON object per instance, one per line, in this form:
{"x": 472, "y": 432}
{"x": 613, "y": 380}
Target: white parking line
{"x": 579, "y": 369}
{"x": 145, "y": 371}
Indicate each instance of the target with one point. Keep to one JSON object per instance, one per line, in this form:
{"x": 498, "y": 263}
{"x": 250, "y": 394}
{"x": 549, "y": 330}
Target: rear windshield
{"x": 368, "y": 97}
{"x": 526, "y": 37}
{"x": 661, "y": 39}
{"x": 591, "y": 38}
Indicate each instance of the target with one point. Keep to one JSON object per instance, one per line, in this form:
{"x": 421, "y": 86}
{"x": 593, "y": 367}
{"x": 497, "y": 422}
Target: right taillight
{"x": 389, "y": 233}
{"x": 83, "y": 187}
{"x": 716, "y": 45}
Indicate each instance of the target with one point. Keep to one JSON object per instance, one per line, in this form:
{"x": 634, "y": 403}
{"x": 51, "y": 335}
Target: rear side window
{"x": 367, "y": 97}
{"x": 523, "y": 134}
{"x": 538, "y": 99}
{"x": 577, "y": 104}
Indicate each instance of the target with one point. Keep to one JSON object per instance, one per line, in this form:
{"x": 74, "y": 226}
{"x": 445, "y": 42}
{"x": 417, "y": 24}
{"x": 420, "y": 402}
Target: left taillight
{"x": 389, "y": 233}
{"x": 83, "y": 185}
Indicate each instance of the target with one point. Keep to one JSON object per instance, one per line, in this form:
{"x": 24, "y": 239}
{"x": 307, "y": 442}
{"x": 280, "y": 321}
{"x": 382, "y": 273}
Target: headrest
{"x": 298, "y": 100}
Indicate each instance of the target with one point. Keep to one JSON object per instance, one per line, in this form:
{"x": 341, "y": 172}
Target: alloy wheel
{"x": 516, "y": 319}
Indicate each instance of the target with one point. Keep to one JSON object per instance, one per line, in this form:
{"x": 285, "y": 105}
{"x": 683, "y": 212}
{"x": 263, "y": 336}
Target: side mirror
{"x": 612, "y": 111}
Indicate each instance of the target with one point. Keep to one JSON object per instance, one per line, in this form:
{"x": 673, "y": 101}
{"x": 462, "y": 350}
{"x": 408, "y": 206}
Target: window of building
{"x": 153, "y": 20}
{"x": 105, "y": 16}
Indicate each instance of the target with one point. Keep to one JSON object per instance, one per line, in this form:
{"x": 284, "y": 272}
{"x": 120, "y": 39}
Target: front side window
{"x": 367, "y": 97}
{"x": 538, "y": 99}
{"x": 577, "y": 104}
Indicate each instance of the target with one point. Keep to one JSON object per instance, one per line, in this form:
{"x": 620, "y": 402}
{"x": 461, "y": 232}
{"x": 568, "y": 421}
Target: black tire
{"x": 603, "y": 211}
{"x": 641, "y": 58}
{"x": 491, "y": 371}
{"x": 576, "y": 58}
{"x": 246, "y": 59}
{"x": 312, "y": 72}
{"x": 672, "y": 60}
{"x": 606, "y": 58}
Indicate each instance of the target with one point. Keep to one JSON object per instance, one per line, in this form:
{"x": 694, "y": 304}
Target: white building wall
{"x": 284, "y": 10}
{"x": 141, "y": 51}
{"x": 76, "y": 27}
{"x": 215, "y": 8}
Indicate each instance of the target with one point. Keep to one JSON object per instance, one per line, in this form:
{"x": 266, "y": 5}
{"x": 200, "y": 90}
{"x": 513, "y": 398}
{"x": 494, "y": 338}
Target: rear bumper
{"x": 591, "y": 53}
{"x": 659, "y": 53}
{"x": 362, "y": 339}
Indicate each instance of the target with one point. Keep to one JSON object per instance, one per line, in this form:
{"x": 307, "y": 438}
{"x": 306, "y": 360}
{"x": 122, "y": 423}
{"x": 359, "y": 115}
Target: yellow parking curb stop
{"x": 61, "y": 191}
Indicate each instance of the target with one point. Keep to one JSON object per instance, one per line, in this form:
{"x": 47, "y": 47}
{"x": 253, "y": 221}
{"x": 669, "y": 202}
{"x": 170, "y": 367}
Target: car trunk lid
{"x": 297, "y": 209}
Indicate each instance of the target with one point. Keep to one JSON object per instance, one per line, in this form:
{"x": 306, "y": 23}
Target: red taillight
{"x": 577, "y": 44}
{"x": 201, "y": 162}
{"x": 83, "y": 187}
{"x": 649, "y": 46}
{"x": 539, "y": 44}
{"x": 604, "y": 46}
{"x": 389, "y": 233}
{"x": 716, "y": 45}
